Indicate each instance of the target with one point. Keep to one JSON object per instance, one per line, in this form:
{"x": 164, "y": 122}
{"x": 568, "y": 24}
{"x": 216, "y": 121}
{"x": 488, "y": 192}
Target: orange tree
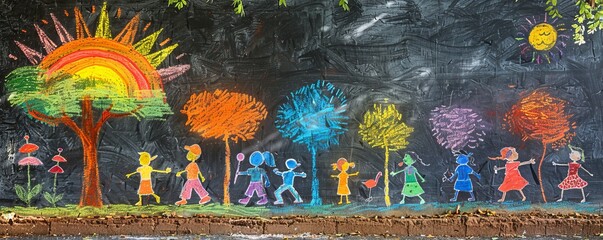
{"x": 226, "y": 116}
{"x": 88, "y": 80}
{"x": 540, "y": 116}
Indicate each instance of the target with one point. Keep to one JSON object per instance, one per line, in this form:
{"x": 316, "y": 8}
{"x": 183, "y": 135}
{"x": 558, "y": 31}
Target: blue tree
{"x": 314, "y": 116}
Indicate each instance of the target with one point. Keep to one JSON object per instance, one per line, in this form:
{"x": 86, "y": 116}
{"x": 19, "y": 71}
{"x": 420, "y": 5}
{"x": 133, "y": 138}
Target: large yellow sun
{"x": 118, "y": 61}
{"x": 543, "y": 37}
{"x": 542, "y": 40}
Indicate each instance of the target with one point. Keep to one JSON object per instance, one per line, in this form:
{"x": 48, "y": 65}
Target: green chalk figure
{"x": 412, "y": 188}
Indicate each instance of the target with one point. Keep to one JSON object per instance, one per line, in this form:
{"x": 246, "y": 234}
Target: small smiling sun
{"x": 542, "y": 41}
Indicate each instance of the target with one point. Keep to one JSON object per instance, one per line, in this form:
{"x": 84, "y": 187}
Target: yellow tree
{"x": 383, "y": 128}
{"x": 226, "y": 116}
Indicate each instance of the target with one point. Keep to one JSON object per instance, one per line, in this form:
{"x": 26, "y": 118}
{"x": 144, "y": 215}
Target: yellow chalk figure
{"x": 343, "y": 189}
{"x": 145, "y": 170}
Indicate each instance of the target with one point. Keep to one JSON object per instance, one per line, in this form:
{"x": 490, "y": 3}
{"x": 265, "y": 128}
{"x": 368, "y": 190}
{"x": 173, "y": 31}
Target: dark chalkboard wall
{"x": 417, "y": 54}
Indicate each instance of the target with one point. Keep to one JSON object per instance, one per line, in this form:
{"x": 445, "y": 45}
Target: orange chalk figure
{"x": 342, "y": 188}
{"x": 145, "y": 170}
{"x": 192, "y": 177}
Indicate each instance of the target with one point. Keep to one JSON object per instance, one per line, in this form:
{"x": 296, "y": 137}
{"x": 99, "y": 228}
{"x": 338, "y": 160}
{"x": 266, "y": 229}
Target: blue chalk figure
{"x": 462, "y": 174}
{"x": 258, "y": 175}
{"x": 288, "y": 179}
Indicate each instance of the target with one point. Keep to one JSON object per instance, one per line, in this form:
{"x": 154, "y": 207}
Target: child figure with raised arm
{"x": 288, "y": 179}
{"x": 145, "y": 170}
{"x": 343, "y": 189}
{"x": 573, "y": 180}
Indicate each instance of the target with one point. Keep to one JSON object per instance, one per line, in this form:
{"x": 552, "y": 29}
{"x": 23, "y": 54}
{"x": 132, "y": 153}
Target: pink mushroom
{"x": 30, "y": 161}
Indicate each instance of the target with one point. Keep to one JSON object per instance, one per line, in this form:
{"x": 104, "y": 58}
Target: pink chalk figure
{"x": 573, "y": 180}
{"x": 192, "y": 177}
{"x": 513, "y": 179}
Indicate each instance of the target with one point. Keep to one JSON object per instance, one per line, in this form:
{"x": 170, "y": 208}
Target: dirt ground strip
{"x": 454, "y": 225}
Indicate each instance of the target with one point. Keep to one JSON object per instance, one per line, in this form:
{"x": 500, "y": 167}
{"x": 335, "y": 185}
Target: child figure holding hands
{"x": 192, "y": 177}
{"x": 145, "y": 170}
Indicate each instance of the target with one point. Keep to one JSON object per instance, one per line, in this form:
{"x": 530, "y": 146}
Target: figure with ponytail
{"x": 411, "y": 188}
{"x": 343, "y": 189}
{"x": 573, "y": 180}
{"x": 462, "y": 174}
{"x": 258, "y": 176}
{"x": 513, "y": 179}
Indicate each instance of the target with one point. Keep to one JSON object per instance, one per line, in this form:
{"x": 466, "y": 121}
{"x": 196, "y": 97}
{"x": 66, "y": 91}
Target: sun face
{"x": 117, "y": 61}
{"x": 543, "y": 37}
{"x": 542, "y": 41}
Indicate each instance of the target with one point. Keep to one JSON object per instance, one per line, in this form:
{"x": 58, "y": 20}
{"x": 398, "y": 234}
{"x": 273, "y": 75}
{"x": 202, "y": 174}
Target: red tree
{"x": 540, "y": 116}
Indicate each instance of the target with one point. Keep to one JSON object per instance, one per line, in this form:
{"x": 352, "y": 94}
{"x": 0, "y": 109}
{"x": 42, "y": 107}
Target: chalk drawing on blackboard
{"x": 542, "y": 40}
{"x": 227, "y": 116}
{"x": 383, "y": 127}
{"x": 193, "y": 173}
{"x": 370, "y": 184}
{"x": 343, "y": 188}
{"x": 462, "y": 175}
{"x": 573, "y": 180}
{"x": 542, "y": 117}
{"x": 513, "y": 179}
{"x": 314, "y": 115}
{"x": 258, "y": 177}
{"x": 29, "y": 193}
{"x": 52, "y": 197}
{"x": 411, "y": 188}
{"x": 288, "y": 180}
{"x": 240, "y": 158}
{"x": 455, "y": 128}
{"x": 89, "y": 73}
{"x": 145, "y": 170}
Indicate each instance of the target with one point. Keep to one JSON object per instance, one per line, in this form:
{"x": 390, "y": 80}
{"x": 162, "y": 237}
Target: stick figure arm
{"x": 586, "y": 171}
{"x": 277, "y": 172}
{"x": 419, "y": 175}
{"x": 394, "y": 173}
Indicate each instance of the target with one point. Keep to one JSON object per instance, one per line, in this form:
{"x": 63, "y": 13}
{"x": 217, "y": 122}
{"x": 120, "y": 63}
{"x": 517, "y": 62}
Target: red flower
{"x": 56, "y": 169}
{"x": 58, "y": 158}
{"x": 28, "y": 147}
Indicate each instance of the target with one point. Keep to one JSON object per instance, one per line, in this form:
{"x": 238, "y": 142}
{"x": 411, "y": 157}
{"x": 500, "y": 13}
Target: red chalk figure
{"x": 513, "y": 179}
{"x": 573, "y": 180}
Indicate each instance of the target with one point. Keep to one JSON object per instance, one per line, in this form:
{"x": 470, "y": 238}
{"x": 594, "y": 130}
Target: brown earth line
{"x": 453, "y": 225}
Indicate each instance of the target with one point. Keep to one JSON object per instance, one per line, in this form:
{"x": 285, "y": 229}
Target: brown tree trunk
{"x": 540, "y": 172}
{"x": 91, "y": 191}
{"x": 227, "y": 174}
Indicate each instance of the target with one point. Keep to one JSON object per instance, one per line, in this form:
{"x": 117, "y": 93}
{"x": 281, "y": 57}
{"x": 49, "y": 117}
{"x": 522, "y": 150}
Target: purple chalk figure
{"x": 258, "y": 175}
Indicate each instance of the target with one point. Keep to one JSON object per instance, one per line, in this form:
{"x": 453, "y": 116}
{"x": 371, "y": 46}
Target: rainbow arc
{"x": 119, "y": 61}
